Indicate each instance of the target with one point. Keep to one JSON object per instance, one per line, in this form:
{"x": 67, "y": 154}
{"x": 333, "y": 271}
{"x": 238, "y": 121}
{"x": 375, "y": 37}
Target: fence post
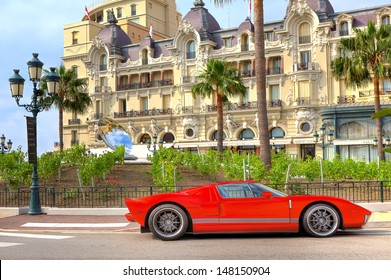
{"x": 381, "y": 192}
{"x": 53, "y": 197}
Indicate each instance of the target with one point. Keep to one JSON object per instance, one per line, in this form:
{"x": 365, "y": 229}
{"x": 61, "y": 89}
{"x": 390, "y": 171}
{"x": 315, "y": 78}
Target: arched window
{"x": 245, "y": 45}
{"x": 191, "y": 50}
{"x": 103, "y": 62}
{"x": 276, "y": 132}
{"x": 304, "y": 33}
{"x": 214, "y": 136}
{"x": 344, "y": 30}
{"x": 144, "y": 138}
{"x": 168, "y": 138}
{"x": 246, "y": 134}
{"x": 385, "y": 20}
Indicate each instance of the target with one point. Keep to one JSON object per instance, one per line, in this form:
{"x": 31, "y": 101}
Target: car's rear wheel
{"x": 168, "y": 222}
{"x": 321, "y": 220}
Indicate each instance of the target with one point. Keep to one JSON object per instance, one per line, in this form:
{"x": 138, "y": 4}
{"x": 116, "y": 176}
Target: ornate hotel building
{"x": 143, "y": 83}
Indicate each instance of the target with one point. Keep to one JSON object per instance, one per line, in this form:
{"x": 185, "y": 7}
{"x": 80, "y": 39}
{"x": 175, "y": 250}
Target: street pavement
{"x": 114, "y": 219}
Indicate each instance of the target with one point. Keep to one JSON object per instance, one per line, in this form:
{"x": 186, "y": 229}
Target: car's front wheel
{"x": 168, "y": 222}
{"x": 321, "y": 220}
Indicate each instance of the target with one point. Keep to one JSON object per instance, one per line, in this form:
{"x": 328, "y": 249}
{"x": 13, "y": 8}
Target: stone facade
{"x": 145, "y": 85}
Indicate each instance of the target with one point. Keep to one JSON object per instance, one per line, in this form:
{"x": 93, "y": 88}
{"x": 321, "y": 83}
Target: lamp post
{"x": 386, "y": 141}
{"x": 326, "y": 139}
{"x": 36, "y": 105}
{"x": 5, "y": 148}
{"x": 154, "y": 144}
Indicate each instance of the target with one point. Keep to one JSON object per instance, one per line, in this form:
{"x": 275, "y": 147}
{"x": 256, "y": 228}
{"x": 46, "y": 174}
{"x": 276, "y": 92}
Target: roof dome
{"x": 246, "y": 25}
{"x": 112, "y": 34}
{"x": 201, "y": 19}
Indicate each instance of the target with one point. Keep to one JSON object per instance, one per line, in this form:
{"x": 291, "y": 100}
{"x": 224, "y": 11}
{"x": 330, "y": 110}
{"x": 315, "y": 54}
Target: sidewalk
{"x": 113, "y": 219}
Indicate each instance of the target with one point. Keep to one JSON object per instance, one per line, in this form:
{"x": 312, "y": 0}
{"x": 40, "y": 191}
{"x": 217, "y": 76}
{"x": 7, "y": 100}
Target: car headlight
{"x": 366, "y": 218}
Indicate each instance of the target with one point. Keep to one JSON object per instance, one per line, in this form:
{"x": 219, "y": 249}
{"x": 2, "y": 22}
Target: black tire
{"x": 168, "y": 222}
{"x": 321, "y": 220}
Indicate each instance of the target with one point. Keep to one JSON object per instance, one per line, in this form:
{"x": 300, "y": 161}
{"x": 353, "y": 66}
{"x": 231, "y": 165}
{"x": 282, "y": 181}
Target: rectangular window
{"x": 227, "y": 42}
{"x": 144, "y": 103}
{"x": 119, "y": 12}
{"x": 74, "y": 140}
{"x": 304, "y": 89}
{"x": 275, "y": 92}
{"x": 305, "y": 59}
{"x": 133, "y": 10}
{"x": 97, "y": 107}
{"x": 387, "y": 86}
{"x": 122, "y": 105}
{"x": 166, "y": 101}
{"x": 269, "y": 36}
{"x": 246, "y": 97}
{"x": 75, "y": 37}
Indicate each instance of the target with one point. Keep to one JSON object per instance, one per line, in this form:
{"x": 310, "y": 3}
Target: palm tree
{"x": 71, "y": 97}
{"x": 220, "y": 79}
{"x": 365, "y": 58}
{"x": 260, "y": 77}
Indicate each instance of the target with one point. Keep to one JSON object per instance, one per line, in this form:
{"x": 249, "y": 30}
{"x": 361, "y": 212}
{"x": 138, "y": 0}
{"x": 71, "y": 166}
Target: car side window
{"x": 235, "y": 191}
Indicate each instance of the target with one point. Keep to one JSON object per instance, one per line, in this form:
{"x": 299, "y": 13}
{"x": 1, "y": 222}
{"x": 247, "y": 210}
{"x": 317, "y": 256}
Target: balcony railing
{"x": 302, "y": 101}
{"x": 143, "y": 113}
{"x": 188, "y": 79}
{"x": 158, "y": 83}
{"x": 190, "y": 55}
{"x": 346, "y": 99}
{"x": 343, "y": 32}
{"x": 97, "y": 116}
{"x": 73, "y": 121}
{"x": 304, "y": 39}
{"x": 274, "y": 70}
{"x": 245, "y": 47}
{"x": 274, "y": 103}
{"x": 246, "y": 73}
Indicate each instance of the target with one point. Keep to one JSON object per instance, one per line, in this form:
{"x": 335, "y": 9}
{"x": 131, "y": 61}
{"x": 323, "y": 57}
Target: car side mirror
{"x": 267, "y": 194}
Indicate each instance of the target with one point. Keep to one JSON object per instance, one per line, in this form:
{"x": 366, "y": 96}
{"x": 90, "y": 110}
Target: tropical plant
{"x": 220, "y": 79}
{"x": 71, "y": 97}
{"x": 365, "y": 58}
{"x": 260, "y": 77}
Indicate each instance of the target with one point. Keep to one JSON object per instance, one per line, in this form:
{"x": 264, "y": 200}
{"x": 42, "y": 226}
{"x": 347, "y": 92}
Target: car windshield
{"x": 264, "y": 188}
{"x": 244, "y": 190}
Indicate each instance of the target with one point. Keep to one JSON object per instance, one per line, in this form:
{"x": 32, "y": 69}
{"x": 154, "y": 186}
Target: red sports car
{"x": 242, "y": 207}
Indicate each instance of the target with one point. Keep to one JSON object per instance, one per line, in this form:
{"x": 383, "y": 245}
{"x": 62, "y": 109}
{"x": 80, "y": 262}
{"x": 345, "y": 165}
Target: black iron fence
{"x": 113, "y": 197}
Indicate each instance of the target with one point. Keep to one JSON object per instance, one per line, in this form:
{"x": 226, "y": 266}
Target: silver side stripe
{"x": 243, "y": 220}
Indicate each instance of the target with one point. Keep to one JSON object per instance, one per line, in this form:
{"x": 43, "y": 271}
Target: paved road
{"x": 367, "y": 244}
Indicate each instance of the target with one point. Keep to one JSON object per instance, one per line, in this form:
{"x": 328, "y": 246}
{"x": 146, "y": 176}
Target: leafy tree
{"x": 220, "y": 79}
{"x": 260, "y": 76}
{"x": 365, "y": 58}
{"x": 14, "y": 169}
{"x": 71, "y": 97}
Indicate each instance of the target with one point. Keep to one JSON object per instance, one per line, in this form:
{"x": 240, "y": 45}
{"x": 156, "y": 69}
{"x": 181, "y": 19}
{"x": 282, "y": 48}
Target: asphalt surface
{"x": 46, "y": 222}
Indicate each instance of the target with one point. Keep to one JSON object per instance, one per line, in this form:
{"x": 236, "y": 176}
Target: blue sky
{"x": 37, "y": 26}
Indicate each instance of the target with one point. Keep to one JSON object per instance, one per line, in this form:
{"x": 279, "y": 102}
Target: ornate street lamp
{"x": 387, "y": 141}
{"x": 5, "y": 148}
{"x": 37, "y": 105}
{"x": 326, "y": 139}
{"x": 154, "y": 144}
